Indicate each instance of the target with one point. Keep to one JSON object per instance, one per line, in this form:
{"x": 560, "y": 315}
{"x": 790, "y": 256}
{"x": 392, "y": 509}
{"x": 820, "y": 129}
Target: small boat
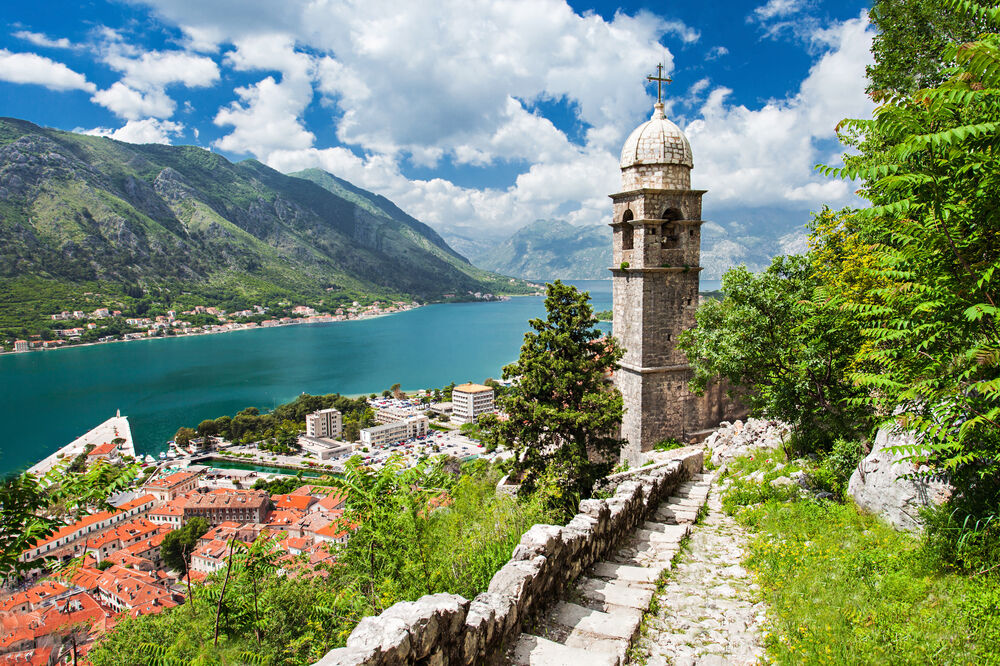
{"x": 149, "y": 459}
{"x": 163, "y": 456}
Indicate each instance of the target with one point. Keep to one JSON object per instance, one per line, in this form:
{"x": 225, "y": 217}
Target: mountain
{"x": 548, "y": 249}
{"x": 78, "y": 209}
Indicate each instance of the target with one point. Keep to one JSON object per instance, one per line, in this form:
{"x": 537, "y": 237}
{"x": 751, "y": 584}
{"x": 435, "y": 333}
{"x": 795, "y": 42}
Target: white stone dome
{"x": 657, "y": 141}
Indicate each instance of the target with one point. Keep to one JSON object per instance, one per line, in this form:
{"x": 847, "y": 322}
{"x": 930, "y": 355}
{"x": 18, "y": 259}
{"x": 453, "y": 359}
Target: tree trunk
{"x": 222, "y": 595}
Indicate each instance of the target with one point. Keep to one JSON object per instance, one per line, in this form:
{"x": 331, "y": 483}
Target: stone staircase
{"x": 600, "y": 616}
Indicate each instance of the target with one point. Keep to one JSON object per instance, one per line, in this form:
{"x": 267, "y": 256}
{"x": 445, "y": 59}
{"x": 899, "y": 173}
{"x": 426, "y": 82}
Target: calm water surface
{"x": 49, "y": 398}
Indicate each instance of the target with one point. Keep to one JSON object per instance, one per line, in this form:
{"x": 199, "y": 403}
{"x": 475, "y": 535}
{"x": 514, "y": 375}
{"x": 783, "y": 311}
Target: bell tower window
{"x": 627, "y": 237}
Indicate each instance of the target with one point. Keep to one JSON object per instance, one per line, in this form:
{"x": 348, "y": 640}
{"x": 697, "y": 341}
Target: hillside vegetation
{"x": 89, "y": 214}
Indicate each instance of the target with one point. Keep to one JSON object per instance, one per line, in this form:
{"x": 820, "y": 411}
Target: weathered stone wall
{"x": 447, "y": 629}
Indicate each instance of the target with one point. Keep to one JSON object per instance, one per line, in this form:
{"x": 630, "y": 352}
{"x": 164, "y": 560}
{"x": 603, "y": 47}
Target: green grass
{"x": 845, "y": 588}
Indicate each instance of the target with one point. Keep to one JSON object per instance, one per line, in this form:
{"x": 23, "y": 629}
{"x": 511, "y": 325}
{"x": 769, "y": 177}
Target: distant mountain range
{"x": 78, "y": 209}
{"x": 548, "y": 249}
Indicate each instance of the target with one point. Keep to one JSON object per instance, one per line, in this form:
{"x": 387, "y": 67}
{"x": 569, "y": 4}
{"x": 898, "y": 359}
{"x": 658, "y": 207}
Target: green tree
{"x": 178, "y": 546}
{"x": 910, "y": 41}
{"x": 935, "y": 230}
{"x": 32, "y": 508}
{"x": 208, "y": 428}
{"x": 790, "y": 350}
{"x": 563, "y": 415}
{"x": 183, "y": 436}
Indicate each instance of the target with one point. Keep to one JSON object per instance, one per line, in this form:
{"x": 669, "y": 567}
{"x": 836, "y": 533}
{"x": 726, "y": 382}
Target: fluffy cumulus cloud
{"x": 148, "y": 130}
{"x": 459, "y": 83}
{"x": 39, "y": 39}
{"x": 765, "y": 156}
{"x": 33, "y": 68}
{"x": 141, "y": 92}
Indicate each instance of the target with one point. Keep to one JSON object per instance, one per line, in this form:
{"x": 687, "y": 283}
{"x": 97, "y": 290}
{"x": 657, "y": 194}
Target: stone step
{"x": 607, "y": 595}
{"x": 535, "y": 651}
{"x": 692, "y": 503}
{"x": 624, "y": 574}
{"x": 655, "y": 536}
{"x": 676, "y": 532}
{"x": 694, "y": 492}
{"x": 651, "y": 558}
{"x": 621, "y": 625}
{"x": 613, "y": 648}
{"x": 678, "y": 517}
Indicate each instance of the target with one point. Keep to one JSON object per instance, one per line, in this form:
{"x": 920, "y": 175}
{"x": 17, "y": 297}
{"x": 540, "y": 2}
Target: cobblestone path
{"x": 706, "y": 614}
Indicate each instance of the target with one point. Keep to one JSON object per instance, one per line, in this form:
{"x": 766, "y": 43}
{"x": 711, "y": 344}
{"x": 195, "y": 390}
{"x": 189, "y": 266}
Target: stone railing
{"x": 449, "y": 629}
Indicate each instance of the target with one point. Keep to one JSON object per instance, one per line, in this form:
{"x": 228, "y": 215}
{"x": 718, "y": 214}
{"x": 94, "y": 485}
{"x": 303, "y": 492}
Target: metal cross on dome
{"x": 660, "y": 80}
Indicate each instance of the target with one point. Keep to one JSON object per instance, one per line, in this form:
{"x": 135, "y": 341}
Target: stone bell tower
{"x": 656, "y": 252}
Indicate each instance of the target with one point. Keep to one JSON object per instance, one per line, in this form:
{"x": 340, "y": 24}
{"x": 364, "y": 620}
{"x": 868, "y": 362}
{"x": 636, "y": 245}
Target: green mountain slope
{"x": 547, "y": 249}
{"x": 86, "y": 210}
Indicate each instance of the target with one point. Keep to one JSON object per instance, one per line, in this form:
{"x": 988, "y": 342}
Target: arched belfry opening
{"x": 628, "y": 237}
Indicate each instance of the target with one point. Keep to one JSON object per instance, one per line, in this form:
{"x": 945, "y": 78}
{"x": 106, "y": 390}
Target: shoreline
{"x": 300, "y": 322}
{"x": 258, "y": 327}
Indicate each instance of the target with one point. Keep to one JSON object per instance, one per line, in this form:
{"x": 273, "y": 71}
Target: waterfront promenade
{"x": 115, "y": 427}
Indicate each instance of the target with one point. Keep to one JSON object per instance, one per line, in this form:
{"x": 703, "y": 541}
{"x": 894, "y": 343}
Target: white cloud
{"x": 148, "y": 130}
{"x": 716, "y": 52}
{"x": 141, "y": 92}
{"x": 765, "y": 156}
{"x": 426, "y": 82}
{"x": 268, "y": 115}
{"x": 686, "y": 33}
{"x": 133, "y": 104}
{"x": 777, "y": 9}
{"x": 33, "y": 68}
{"x": 38, "y": 39}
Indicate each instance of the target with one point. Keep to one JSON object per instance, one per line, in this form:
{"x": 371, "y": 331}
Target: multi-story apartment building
{"x": 470, "y": 401}
{"x": 326, "y": 424}
{"x": 390, "y": 433}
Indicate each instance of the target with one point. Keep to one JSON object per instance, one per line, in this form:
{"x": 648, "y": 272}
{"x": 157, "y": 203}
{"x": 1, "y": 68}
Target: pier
{"x": 115, "y": 427}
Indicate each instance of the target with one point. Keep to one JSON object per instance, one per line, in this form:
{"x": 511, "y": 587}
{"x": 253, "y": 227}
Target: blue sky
{"x": 476, "y": 116}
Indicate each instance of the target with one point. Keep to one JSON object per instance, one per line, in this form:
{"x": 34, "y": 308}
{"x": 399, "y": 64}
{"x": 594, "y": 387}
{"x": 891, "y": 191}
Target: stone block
{"x": 387, "y": 638}
{"x": 431, "y": 620}
{"x": 346, "y": 656}
{"x": 620, "y": 625}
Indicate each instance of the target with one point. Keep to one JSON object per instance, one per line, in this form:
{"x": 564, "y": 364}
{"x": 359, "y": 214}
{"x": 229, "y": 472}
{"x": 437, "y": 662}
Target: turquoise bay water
{"x": 49, "y": 398}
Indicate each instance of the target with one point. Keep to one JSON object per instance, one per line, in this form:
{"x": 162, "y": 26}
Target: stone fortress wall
{"x": 447, "y": 629}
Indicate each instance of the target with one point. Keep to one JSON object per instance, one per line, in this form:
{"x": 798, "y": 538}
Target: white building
{"x": 326, "y": 423}
{"x": 394, "y": 414}
{"x": 325, "y": 449}
{"x": 470, "y": 401}
{"x": 390, "y": 433}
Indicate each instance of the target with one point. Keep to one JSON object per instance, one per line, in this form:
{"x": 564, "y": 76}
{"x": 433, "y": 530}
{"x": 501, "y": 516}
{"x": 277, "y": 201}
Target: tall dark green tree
{"x": 179, "y": 545}
{"x": 563, "y": 415}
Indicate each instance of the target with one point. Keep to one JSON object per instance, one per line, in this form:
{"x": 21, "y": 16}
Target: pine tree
{"x": 563, "y": 417}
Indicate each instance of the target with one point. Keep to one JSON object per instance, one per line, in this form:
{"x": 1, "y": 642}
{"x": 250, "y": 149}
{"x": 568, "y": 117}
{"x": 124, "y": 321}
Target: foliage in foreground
{"x": 32, "y": 507}
{"x": 419, "y": 531}
{"x": 845, "y": 588}
{"x": 560, "y": 412}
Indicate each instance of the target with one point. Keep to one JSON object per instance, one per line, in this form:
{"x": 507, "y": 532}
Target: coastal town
{"x": 103, "y": 324}
{"x": 109, "y": 564}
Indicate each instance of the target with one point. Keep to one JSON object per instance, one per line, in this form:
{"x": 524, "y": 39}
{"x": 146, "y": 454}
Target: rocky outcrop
{"x": 884, "y": 483}
{"x": 448, "y": 629}
{"x": 732, "y": 440}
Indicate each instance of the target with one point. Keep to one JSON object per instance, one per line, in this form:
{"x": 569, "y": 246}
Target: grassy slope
{"x": 845, "y": 588}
